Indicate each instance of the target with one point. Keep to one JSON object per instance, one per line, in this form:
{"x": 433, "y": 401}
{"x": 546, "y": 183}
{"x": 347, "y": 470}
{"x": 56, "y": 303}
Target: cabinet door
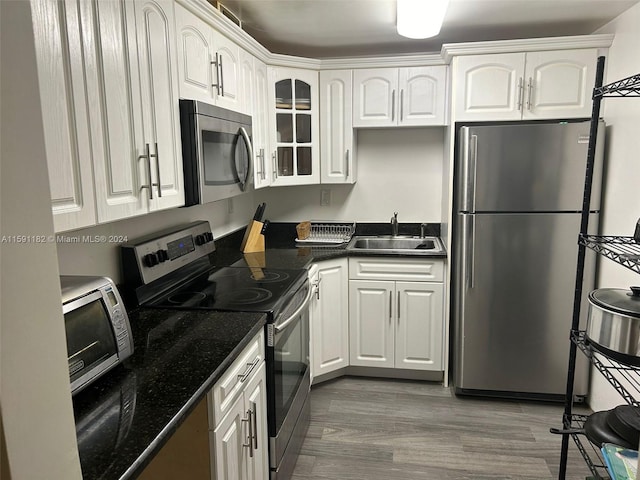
{"x": 113, "y": 89}
{"x": 330, "y": 324}
{"x": 371, "y": 323}
{"x": 422, "y": 96}
{"x": 228, "y": 77}
{"x": 262, "y": 161}
{"x": 375, "y": 102}
{"x": 228, "y": 450}
{"x": 295, "y": 126}
{"x": 58, "y": 43}
{"x": 195, "y": 53}
{"x": 247, "y": 77}
{"x": 419, "y": 326}
{"x": 488, "y": 87}
{"x": 255, "y": 395}
{"x": 155, "y": 29}
{"x": 336, "y": 130}
{"x": 559, "y": 84}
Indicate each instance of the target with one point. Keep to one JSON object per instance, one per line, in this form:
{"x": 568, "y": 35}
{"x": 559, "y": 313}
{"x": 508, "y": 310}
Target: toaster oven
{"x": 97, "y": 328}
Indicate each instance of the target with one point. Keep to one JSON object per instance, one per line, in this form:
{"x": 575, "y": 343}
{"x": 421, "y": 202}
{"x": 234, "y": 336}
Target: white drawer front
{"x": 224, "y": 393}
{"x": 379, "y": 268}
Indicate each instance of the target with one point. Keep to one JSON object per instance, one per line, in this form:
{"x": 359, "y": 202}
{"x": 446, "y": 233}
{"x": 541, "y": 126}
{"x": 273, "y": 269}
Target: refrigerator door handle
{"x": 469, "y": 237}
{"x": 469, "y": 160}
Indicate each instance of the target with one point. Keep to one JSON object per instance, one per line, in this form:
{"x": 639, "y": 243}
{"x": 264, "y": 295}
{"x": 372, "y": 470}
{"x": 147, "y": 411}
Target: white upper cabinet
{"x": 295, "y": 155}
{"x": 64, "y": 113}
{"x": 248, "y": 83}
{"x": 209, "y": 64}
{"x": 385, "y": 97}
{"x": 559, "y": 84}
{"x": 515, "y": 86}
{"x": 337, "y": 156}
{"x": 262, "y": 166}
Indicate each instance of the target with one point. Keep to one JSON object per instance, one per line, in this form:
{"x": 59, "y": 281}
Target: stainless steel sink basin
{"x": 405, "y": 245}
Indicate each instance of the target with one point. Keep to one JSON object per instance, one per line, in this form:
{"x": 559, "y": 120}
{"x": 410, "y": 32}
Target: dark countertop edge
{"x": 165, "y": 434}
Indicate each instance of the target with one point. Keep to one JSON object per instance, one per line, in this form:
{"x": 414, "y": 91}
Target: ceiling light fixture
{"x": 421, "y": 18}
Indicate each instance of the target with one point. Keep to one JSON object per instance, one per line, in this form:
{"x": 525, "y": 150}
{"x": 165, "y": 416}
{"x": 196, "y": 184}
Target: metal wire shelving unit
{"x": 623, "y": 250}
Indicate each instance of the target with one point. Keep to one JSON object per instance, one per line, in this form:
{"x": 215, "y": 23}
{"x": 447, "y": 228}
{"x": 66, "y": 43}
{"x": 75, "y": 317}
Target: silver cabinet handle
{"x": 274, "y": 158}
{"x": 398, "y": 307}
{"x": 390, "y": 306}
{"x": 401, "y": 104}
{"x": 254, "y": 408}
{"x": 520, "y": 92}
{"x": 393, "y": 105}
{"x": 221, "y": 77}
{"x": 217, "y": 63}
{"x": 157, "y": 157}
{"x": 250, "y": 367}
{"x": 262, "y": 172}
{"x": 529, "y": 92}
{"x": 346, "y": 169}
{"x": 147, "y": 155}
{"x": 249, "y": 421}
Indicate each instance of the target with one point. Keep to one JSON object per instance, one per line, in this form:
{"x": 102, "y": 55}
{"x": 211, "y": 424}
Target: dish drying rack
{"x": 329, "y": 233}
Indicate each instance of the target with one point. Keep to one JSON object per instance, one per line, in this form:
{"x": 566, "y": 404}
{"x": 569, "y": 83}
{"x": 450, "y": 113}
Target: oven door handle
{"x": 285, "y": 324}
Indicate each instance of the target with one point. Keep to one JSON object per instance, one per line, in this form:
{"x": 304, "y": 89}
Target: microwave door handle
{"x": 280, "y": 327}
{"x": 247, "y": 141}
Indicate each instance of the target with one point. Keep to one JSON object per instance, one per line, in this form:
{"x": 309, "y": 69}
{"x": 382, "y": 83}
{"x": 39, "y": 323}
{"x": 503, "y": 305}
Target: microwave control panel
{"x": 154, "y": 256}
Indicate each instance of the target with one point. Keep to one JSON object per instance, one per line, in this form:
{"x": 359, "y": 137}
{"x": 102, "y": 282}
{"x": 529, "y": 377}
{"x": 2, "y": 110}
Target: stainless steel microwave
{"x": 216, "y": 152}
{"x": 97, "y": 328}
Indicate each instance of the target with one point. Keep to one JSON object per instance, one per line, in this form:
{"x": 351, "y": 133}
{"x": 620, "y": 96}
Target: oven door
{"x": 225, "y": 154}
{"x": 288, "y": 382}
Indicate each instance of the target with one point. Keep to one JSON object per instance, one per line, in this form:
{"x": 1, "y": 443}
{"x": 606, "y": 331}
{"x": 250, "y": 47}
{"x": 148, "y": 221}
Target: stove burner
{"x": 247, "y": 296}
{"x": 271, "y": 277}
{"x": 186, "y": 298}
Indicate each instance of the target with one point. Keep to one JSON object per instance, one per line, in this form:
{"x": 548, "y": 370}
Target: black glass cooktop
{"x": 235, "y": 289}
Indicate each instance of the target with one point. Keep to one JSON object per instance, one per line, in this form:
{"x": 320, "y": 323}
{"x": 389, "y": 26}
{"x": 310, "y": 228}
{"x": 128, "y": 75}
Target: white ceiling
{"x": 339, "y": 28}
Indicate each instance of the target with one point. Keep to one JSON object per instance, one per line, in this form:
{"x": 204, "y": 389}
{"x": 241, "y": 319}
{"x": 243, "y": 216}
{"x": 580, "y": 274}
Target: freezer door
{"x": 514, "y": 302}
{"x": 525, "y": 168}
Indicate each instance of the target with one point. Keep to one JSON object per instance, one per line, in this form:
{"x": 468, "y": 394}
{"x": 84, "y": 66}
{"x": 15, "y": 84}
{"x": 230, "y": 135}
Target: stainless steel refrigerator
{"x": 519, "y": 192}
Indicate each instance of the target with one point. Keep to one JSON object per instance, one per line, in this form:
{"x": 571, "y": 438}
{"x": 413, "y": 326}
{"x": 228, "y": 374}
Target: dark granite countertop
{"x": 282, "y": 252}
{"x": 125, "y": 417}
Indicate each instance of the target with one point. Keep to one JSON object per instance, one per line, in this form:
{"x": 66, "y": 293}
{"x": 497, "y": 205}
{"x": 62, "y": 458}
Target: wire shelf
{"x": 622, "y": 250}
{"x": 627, "y": 87}
{"x": 624, "y": 378}
{"x": 590, "y": 453}
{"x": 329, "y": 233}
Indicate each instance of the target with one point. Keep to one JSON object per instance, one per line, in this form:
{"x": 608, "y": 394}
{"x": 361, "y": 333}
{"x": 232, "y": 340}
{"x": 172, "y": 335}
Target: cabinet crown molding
{"x": 450, "y": 50}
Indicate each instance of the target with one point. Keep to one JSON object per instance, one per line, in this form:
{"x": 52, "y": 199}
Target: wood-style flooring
{"x": 366, "y": 429}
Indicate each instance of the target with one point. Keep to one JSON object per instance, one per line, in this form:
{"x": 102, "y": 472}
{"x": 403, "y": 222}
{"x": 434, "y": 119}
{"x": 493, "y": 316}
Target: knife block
{"x": 253, "y": 240}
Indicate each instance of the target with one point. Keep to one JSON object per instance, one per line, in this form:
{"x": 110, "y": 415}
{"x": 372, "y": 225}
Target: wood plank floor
{"x": 365, "y": 429}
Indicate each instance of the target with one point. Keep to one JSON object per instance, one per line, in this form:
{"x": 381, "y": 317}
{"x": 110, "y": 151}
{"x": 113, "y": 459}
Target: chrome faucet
{"x": 423, "y": 227}
{"x": 394, "y": 224}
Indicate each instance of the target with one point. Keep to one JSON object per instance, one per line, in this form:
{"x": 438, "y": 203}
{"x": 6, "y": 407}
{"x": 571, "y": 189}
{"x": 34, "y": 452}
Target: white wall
{"x": 399, "y": 170}
{"x": 621, "y": 202}
{"x": 104, "y": 258}
{"x": 37, "y": 413}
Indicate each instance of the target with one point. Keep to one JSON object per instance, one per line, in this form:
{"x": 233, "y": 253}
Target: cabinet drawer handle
{"x": 147, "y": 155}
{"x": 398, "y": 307}
{"x": 529, "y": 92}
{"x": 520, "y": 92}
{"x": 254, "y": 407}
{"x": 274, "y": 160}
{"x": 346, "y": 169}
{"x": 157, "y": 157}
{"x": 390, "y": 306}
{"x": 249, "y": 421}
{"x": 216, "y": 85}
{"x": 401, "y": 104}
{"x": 250, "y": 367}
{"x": 393, "y": 105}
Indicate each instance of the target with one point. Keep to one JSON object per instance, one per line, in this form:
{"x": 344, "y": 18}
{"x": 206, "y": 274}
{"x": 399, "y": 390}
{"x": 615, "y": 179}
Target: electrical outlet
{"x": 325, "y": 198}
{"x": 230, "y": 206}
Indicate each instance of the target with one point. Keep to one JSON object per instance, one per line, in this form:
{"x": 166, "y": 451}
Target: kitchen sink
{"x": 405, "y": 245}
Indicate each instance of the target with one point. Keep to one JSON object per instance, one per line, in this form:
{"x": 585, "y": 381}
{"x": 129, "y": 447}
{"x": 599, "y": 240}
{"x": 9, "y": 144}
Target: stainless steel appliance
{"x": 518, "y": 196}
{"x": 172, "y": 269}
{"x": 216, "y": 152}
{"x": 96, "y": 326}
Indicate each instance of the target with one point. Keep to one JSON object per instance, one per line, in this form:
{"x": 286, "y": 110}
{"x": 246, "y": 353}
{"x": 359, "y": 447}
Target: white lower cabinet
{"x": 395, "y": 323}
{"x": 238, "y": 418}
{"x": 330, "y": 318}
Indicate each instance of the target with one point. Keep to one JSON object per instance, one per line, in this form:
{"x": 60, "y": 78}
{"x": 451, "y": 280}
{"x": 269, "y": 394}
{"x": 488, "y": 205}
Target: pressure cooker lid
{"x": 626, "y": 302}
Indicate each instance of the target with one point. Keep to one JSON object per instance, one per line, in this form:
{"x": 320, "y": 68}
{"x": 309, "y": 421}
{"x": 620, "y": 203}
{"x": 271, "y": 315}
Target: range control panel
{"x": 156, "y": 255}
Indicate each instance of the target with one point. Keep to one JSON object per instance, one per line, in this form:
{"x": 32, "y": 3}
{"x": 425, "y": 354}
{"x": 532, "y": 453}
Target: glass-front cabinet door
{"x": 295, "y": 157}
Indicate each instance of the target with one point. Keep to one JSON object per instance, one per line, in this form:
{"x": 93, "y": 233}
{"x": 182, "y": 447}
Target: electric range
{"x": 173, "y": 269}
